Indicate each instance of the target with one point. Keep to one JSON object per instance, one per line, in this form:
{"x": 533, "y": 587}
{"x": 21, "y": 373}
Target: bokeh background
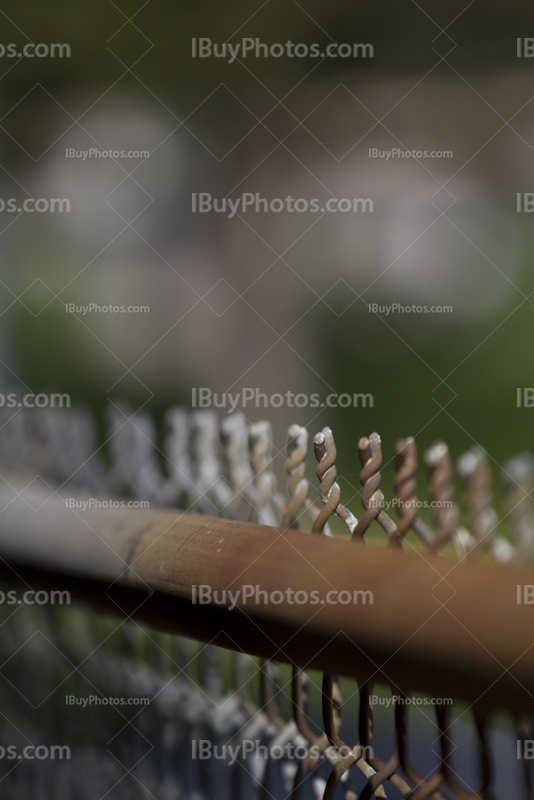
{"x": 275, "y": 301}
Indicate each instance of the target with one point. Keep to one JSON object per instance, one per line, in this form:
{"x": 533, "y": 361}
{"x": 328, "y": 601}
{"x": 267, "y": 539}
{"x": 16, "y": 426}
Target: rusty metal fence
{"x": 448, "y": 617}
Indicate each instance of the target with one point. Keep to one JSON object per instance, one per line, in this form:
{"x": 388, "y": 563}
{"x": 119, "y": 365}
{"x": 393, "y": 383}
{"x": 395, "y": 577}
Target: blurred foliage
{"x": 109, "y": 39}
{"x": 403, "y": 39}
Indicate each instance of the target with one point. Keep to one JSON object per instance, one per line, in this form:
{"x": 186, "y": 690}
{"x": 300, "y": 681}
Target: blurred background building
{"x": 277, "y": 301}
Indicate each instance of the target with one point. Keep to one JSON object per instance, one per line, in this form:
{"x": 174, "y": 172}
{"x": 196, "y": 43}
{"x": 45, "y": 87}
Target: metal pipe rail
{"x": 450, "y": 629}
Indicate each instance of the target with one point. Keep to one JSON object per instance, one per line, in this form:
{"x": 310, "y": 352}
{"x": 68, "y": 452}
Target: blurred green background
{"x": 276, "y": 301}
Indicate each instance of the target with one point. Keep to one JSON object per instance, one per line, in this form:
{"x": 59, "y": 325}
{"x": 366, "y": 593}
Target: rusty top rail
{"x": 435, "y": 625}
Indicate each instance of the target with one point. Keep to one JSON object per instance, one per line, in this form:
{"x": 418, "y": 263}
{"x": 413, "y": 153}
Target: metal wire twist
{"x": 234, "y": 436}
{"x": 440, "y": 469}
{"x": 370, "y": 451}
{"x": 325, "y": 453}
{"x": 474, "y": 468}
{"x": 260, "y": 444}
{"x": 405, "y": 485}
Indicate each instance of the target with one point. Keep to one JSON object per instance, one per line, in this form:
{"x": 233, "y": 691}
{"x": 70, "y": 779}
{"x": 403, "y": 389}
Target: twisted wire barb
{"x": 297, "y": 484}
{"x": 177, "y": 449}
{"x": 213, "y": 492}
{"x": 474, "y": 468}
{"x": 264, "y": 484}
{"x": 263, "y": 500}
{"x": 405, "y": 485}
{"x": 234, "y": 436}
{"x": 370, "y": 451}
{"x": 439, "y": 465}
{"x": 298, "y": 728}
{"x": 133, "y": 449}
{"x": 77, "y": 463}
{"x": 325, "y": 453}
